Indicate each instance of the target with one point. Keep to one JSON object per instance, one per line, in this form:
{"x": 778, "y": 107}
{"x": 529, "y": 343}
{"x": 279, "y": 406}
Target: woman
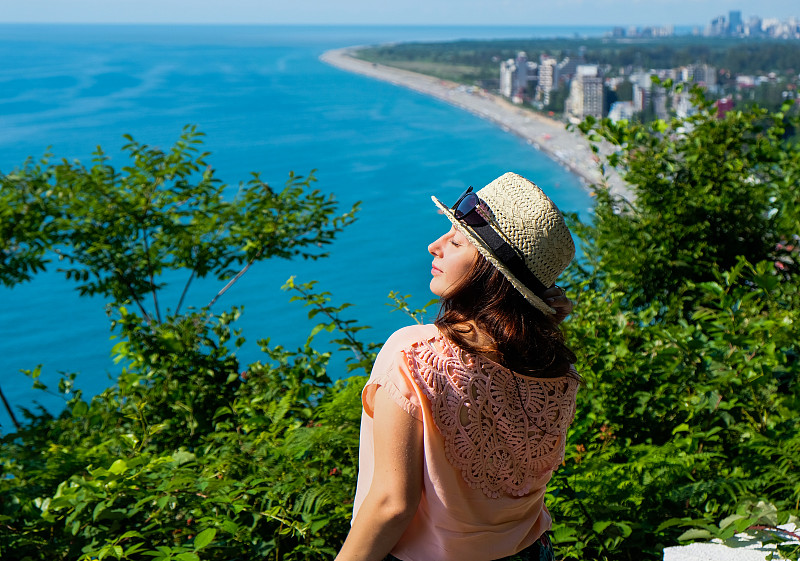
{"x": 465, "y": 420}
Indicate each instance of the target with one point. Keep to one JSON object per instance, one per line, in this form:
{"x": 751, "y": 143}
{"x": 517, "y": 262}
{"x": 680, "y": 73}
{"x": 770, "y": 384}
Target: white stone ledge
{"x": 741, "y": 547}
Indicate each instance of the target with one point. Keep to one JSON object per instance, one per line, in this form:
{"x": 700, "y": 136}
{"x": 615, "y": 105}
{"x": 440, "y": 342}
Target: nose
{"x": 435, "y": 248}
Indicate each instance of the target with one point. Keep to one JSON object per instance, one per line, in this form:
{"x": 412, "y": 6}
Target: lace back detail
{"x": 477, "y": 407}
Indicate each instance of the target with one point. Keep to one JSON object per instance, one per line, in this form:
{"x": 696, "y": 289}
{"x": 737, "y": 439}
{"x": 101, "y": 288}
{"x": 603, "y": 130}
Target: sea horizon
{"x": 381, "y": 33}
{"x": 267, "y": 104}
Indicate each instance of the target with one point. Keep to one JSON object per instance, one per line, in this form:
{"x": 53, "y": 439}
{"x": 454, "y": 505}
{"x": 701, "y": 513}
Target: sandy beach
{"x": 569, "y": 149}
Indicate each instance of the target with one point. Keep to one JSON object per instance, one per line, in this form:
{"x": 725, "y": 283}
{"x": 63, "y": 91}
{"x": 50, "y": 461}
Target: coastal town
{"x": 586, "y": 88}
{"x": 547, "y": 86}
{"x": 568, "y": 148}
{"x": 591, "y": 92}
{"x": 538, "y": 99}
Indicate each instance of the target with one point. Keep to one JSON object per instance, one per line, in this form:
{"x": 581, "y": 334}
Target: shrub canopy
{"x": 685, "y": 325}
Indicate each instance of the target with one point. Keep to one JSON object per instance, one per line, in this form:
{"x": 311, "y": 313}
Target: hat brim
{"x": 481, "y": 246}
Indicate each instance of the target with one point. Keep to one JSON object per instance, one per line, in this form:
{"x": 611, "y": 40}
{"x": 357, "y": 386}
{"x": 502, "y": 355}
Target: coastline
{"x": 569, "y": 149}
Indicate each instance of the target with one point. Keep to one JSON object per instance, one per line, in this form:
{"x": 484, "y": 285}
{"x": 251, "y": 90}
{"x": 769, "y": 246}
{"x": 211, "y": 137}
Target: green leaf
{"x": 673, "y": 522}
{"x": 155, "y": 429}
{"x": 130, "y": 534}
{"x": 695, "y": 534}
{"x": 118, "y": 467}
{"x": 601, "y": 525}
{"x": 563, "y": 534}
{"x": 727, "y": 521}
{"x": 204, "y": 538}
{"x": 683, "y": 427}
{"x": 624, "y": 528}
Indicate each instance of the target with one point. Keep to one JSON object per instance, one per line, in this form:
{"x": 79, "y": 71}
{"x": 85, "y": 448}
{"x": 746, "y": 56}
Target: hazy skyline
{"x": 404, "y": 12}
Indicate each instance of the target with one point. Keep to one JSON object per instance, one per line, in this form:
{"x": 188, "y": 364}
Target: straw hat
{"x": 528, "y": 221}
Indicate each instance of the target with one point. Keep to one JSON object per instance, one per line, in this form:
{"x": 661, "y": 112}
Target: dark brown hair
{"x": 526, "y": 340}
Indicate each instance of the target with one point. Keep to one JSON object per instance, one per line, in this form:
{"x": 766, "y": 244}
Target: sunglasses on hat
{"x": 466, "y": 209}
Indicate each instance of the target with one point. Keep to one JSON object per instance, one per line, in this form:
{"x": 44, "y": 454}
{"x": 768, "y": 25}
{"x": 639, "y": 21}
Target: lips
{"x": 435, "y": 270}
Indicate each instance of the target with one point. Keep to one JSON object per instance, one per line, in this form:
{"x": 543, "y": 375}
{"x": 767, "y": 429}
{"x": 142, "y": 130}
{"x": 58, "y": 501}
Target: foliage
{"x": 134, "y": 474}
{"x": 26, "y": 229}
{"x": 752, "y": 56}
{"x": 187, "y": 455}
{"x": 117, "y": 233}
{"x": 686, "y": 321}
{"x": 685, "y": 328}
{"x": 679, "y": 420}
{"x": 706, "y": 191}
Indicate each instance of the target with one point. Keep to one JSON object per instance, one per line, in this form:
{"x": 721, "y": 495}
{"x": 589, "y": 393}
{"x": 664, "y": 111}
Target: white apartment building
{"x": 514, "y": 77}
{"x": 507, "y": 70}
{"x": 702, "y": 74}
{"x": 547, "y": 75}
{"x": 586, "y": 94}
{"x": 641, "y": 96}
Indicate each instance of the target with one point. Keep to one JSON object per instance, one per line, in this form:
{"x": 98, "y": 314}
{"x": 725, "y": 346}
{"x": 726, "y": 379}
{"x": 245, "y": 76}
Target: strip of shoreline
{"x": 567, "y": 148}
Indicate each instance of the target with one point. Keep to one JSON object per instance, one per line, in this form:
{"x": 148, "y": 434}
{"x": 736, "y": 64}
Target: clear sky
{"x": 391, "y": 12}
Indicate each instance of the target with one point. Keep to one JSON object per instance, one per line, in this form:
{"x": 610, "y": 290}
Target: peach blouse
{"x": 486, "y": 461}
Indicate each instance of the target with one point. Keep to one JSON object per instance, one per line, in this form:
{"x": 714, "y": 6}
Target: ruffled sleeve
{"x": 391, "y": 371}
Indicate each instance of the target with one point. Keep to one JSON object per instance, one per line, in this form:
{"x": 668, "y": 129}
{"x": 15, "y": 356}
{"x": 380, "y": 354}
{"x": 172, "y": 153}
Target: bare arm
{"x": 396, "y": 486}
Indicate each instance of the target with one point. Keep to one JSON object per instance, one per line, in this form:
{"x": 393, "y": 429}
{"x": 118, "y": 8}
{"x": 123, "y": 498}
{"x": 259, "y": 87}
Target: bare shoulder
{"x": 407, "y": 336}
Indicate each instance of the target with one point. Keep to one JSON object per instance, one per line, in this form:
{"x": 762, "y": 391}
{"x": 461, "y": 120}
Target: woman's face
{"x": 453, "y": 257}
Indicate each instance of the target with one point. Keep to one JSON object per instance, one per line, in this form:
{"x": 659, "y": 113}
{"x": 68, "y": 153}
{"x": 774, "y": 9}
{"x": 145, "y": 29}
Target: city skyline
{"x": 409, "y": 12}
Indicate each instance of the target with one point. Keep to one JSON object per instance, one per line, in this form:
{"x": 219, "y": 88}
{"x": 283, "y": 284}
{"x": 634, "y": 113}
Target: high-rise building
{"x": 514, "y": 77}
{"x": 706, "y": 75}
{"x": 701, "y": 74}
{"x": 507, "y": 69}
{"x": 718, "y": 26}
{"x": 565, "y": 71}
{"x": 521, "y": 76}
{"x": 586, "y": 94}
{"x": 753, "y": 27}
{"x": 547, "y": 83}
{"x": 735, "y": 23}
{"x": 641, "y": 97}
{"x": 660, "y": 103}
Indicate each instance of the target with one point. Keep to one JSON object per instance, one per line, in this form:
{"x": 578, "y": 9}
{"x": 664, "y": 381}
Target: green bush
{"x": 686, "y": 329}
{"x": 679, "y": 423}
{"x": 189, "y": 454}
{"x": 687, "y": 424}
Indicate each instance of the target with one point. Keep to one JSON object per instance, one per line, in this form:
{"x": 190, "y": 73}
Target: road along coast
{"x": 570, "y": 149}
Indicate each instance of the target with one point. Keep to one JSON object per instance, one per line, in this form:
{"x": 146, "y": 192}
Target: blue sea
{"x": 266, "y": 104}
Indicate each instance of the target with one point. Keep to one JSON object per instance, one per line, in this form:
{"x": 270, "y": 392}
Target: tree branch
{"x": 233, "y": 280}
{"x": 185, "y": 290}
{"x": 8, "y": 408}
{"x": 153, "y": 290}
{"x": 237, "y": 277}
{"x": 132, "y": 292}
